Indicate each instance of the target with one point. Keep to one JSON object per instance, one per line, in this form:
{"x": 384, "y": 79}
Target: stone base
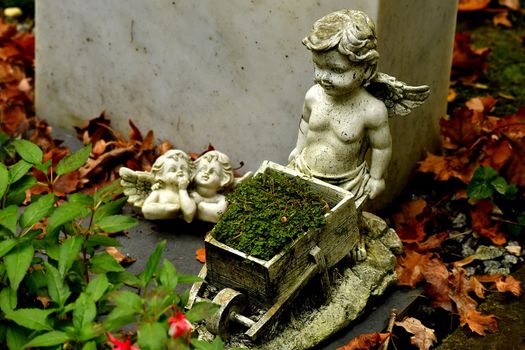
{"x": 354, "y": 286}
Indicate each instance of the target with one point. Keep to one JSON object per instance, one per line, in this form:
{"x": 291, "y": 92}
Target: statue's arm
{"x": 187, "y": 204}
{"x": 303, "y": 126}
{"x": 381, "y": 147}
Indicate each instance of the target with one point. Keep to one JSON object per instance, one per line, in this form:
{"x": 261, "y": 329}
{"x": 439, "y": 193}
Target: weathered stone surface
{"x": 198, "y": 72}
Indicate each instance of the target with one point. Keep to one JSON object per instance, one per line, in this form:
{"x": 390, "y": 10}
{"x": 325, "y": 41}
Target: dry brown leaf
{"x": 477, "y": 287}
{"x": 432, "y": 242}
{"x": 482, "y": 224}
{"x": 472, "y": 5}
{"x": 423, "y": 337}
{"x": 438, "y": 289}
{"x": 509, "y": 284}
{"x": 410, "y": 268}
{"x": 502, "y": 19}
{"x": 511, "y": 4}
{"x": 122, "y": 259}
{"x": 479, "y": 323}
{"x": 452, "y": 94}
{"x": 200, "y": 255}
{"x": 366, "y": 341}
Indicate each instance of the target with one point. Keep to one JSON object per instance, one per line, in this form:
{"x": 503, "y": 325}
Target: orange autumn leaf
{"x": 408, "y": 227}
{"x": 511, "y": 4}
{"x": 472, "y": 5}
{"x": 502, "y": 19}
{"x": 482, "y": 224}
{"x": 200, "y": 255}
{"x": 477, "y": 287}
{"x": 479, "y": 323}
{"x": 410, "y": 268}
{"x": 438, "y": 289}
{"x": 446, "y": 167}
{"x": 432, "y": 242}
{"x": 467, "y": 64}
{"x": 509, "y": 284}
{"x": 366, "y": 341}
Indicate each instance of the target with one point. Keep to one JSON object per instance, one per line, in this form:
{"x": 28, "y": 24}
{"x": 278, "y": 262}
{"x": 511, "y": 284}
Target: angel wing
{"x": 399, "y": 98}
{"x": 136, "y": 185}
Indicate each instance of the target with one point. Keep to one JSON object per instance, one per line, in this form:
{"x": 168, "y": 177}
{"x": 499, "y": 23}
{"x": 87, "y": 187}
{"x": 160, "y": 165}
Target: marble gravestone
{"x": 232, "y": 73}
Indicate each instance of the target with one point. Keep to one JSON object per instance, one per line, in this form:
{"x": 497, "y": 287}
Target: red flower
{"x": 179, "y": 325}
{"x": 121, "y": 345}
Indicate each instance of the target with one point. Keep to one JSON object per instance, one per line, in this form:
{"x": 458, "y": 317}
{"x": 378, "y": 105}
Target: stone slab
{"x": 230, "y": 73}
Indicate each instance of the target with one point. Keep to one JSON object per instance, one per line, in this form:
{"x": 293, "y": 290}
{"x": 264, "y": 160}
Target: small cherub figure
{"x": 162, "y": 193}
{"x": 213, "y": 174}
{"x": 345, "y": 114}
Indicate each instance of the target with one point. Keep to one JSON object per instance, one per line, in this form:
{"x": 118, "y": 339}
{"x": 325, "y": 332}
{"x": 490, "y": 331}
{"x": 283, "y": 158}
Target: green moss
{"x": 267, "y": 213}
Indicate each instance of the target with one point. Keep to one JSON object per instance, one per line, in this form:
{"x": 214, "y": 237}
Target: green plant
{"x": 59, "y": 289}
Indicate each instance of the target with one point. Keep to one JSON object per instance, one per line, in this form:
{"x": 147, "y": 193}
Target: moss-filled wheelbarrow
{"x": 253, "y": 293}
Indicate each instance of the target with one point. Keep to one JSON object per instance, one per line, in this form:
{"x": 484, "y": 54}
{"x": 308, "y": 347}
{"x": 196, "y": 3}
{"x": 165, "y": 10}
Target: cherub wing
{"x": 400, "y": 99}
{"x": 136, "y": 185}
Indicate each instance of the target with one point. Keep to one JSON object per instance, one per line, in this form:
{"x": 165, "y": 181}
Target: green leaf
{"x": 28, "y": 151}
{"x": 17, "y": 192}
{"x": 90, "y": 346}
{"x": 48, "y": 339}
{"x": 188, "y": 279}
{"x": 151, "y": 336}
{"x": 97, "y": 287}
{"x": 8, "y": 300}
{"x": 17, "y": 262}
{"x": 128, "y": 279}
{"x": 44, "y": 167}
{"x": 37, "y": 211}
{"x": 18, "y": 170}
{"x": 16, "y": 338}
{"x": 65, "y": 213}
{"x": 511, "y": 192}
{"x": 151, "y": 265}
{"x": 119, "y": 317}
{"x": 200, "y": 311}
{"x": 500, "y": 184}
{"x": 102, "y": 263}
{"x": 73, "y": 161}
{"x": 84, "y": 312}
{"x": 81, "y": 198}
{"x": 116, "y": 223}
{"x": 111, "y": 208}
{"x": 108, "y": 192}
{"x": 57, "y": 287}
{"x": 6, "y": 246}
{"x": 485, "y": 173}
{"x": 128, "y": 299}
{"x": 96, "y": 240}
{"x": 479, "y": 191}
{"x": 4, "y": 179}
{"x": 168, "y": 275}
{"x": 8, "y": 218}
{"x": 68, "y": 252}
{"x": 35, "y": 319}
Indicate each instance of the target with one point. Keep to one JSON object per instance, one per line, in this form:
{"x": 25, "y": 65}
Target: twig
{"x": 393, "y": 315}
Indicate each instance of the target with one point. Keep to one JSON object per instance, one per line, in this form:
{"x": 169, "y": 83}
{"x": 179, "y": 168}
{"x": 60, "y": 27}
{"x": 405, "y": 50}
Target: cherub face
{"x": 208, "y": 174}
{"x": 336, "y": 74}
{"x": 176, "y": 168}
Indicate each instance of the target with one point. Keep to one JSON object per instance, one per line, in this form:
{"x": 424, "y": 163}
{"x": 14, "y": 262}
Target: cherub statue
{"x": 213, "y": 174}
{"x": 345, "y": 114}
{"x": 163, "y": 192}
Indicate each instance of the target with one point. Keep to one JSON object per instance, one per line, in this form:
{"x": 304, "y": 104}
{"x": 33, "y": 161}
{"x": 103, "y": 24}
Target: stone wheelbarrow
{"x": 241, "y": 283}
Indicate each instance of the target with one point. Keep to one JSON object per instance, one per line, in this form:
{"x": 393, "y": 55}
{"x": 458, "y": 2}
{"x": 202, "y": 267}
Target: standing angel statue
{"x": 345, "y": 114}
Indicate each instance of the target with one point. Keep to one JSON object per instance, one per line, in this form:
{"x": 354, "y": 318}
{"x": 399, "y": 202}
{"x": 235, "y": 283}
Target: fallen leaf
{"x": 122, "y": 259}
{"x": 479, "y": 323}
{"x": 432, "y": 242}
{"x": 410, "y": 267}
{"x": 44, "y": 300}
{"x": 509, "y": 284}
{"x": 365, "y": 341}
{"x": 452, "y": 94}
{"x": 472, "y": 5}
{"x": 467, "y": 63}
{"x": 511, "y": 4}
{"x": 502, "y": 19}
{"x": 437, "y": 288}
{"x": 482, "y": 224}
{"x": 423, "y": 337}
{"x": 200, "y": 255}
{"x": 477, "y": 287}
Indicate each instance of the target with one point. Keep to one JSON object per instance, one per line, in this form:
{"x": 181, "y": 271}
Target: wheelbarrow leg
{"x": 322, "y": 269}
